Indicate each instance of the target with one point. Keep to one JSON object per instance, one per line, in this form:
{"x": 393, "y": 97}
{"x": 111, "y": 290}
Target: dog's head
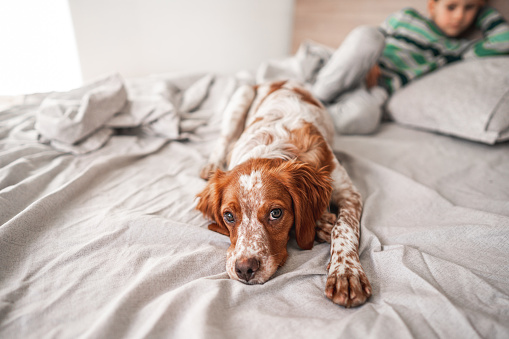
{"x": 256, "y": 204}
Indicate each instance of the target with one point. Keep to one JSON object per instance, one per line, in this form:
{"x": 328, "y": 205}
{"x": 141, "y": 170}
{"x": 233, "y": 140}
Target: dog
{"x": 273, "y": 169}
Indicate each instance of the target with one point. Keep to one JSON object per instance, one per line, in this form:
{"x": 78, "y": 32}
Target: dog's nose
{"x": 246, "y": 268}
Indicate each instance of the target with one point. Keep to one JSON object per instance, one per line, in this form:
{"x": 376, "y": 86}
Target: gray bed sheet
{"x": 109, "y": 245}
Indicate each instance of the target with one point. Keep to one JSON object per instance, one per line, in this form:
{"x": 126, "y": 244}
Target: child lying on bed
{"x": 373, "y": 62}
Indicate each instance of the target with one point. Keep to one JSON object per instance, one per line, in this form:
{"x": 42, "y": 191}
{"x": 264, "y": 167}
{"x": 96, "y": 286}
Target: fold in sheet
{"x": 70, "y": 117}
{"x": 83, "y": 120}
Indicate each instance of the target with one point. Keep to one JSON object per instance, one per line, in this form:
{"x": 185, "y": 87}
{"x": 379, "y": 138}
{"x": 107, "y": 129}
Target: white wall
{"x": 141, "y": 37}
{"x": 37, "y": 47}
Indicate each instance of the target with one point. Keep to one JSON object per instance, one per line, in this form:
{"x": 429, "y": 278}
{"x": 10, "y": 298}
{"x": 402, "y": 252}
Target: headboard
{"x": 329, "y": 21}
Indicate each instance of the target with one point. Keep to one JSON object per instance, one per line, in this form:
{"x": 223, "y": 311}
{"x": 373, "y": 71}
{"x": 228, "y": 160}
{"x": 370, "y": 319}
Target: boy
{"x": 374, "y": 62}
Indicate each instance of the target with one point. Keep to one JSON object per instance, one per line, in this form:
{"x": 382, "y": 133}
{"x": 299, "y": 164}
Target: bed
{"x": 100, "y": 239}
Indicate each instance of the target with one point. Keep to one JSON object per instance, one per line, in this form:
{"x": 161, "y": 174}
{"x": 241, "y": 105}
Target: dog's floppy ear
{"x": 209, "y": 202}
{"x": 219, "y": 228}
{"x": 310, "y": 189}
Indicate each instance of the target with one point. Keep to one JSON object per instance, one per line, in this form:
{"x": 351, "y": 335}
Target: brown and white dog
{"x": 281, "y": 173}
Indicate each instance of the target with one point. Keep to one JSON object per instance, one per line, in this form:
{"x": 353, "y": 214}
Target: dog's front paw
{"x": 208, "y": 170}
{"x": 347, "y": 286}
{"x": 324, "y": 226}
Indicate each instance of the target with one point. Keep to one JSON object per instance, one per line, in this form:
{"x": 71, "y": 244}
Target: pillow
{"x": 468, "y": 99}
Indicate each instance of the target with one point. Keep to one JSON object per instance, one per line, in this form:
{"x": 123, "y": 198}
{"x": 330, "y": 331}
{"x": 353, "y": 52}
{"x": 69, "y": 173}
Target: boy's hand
{"x": 372, "y": 76}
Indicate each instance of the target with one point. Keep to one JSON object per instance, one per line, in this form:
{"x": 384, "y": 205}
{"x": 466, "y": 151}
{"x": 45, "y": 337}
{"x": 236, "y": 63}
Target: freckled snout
{"x": 246, "y": 268}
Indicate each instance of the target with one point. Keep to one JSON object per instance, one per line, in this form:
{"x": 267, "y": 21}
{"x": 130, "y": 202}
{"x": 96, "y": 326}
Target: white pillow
{"x": 467, "y": 99}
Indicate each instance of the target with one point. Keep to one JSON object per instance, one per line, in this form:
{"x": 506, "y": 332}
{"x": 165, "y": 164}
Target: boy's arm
{"x": 496, "y": 35}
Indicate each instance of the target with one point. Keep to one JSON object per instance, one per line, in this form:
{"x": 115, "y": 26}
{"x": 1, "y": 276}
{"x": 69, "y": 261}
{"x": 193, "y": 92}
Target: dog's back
{"x": 285, "y": 122}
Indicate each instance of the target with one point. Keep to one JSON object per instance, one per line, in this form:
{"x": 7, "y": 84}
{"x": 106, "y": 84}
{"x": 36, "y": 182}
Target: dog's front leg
{"x": 234, "y": 119}
{"x": 347, "y": 284}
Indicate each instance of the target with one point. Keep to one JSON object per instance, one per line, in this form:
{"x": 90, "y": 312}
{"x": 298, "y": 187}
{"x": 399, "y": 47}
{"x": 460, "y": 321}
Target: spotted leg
{"x": 324, "y": 226}
{"x": 234, "y": 118}
{"x": 347, "y": 284}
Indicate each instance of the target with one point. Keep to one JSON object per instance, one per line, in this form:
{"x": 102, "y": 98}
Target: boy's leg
{"x": 359, "y": 111}
{"x": 350, "y": 63}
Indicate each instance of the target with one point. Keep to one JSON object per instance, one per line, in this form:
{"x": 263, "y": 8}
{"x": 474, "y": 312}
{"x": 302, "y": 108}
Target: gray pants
{"x": 340, "y": 84}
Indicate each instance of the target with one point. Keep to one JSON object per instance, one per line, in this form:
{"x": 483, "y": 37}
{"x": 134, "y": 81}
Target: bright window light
{"x": 38, "y": 47}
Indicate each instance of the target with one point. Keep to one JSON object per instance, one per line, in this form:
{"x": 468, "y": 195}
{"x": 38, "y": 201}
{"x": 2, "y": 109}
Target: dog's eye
{"x": 276, "y": 214}
{"x": 228, "y": 217}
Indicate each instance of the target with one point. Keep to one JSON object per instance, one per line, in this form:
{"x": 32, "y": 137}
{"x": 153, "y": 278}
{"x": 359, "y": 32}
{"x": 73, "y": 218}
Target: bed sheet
{"x": 108, "y": 244}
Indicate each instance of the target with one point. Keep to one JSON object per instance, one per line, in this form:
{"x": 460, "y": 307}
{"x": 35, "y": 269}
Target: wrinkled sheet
{"x": 108, "y": 244}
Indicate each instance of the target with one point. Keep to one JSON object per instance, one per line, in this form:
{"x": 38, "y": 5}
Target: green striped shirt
{"x": 414, "y": 45}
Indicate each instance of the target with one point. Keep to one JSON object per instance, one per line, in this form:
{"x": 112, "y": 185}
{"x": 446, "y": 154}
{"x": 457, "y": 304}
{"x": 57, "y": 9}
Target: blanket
{"x": 108, "y": 244}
